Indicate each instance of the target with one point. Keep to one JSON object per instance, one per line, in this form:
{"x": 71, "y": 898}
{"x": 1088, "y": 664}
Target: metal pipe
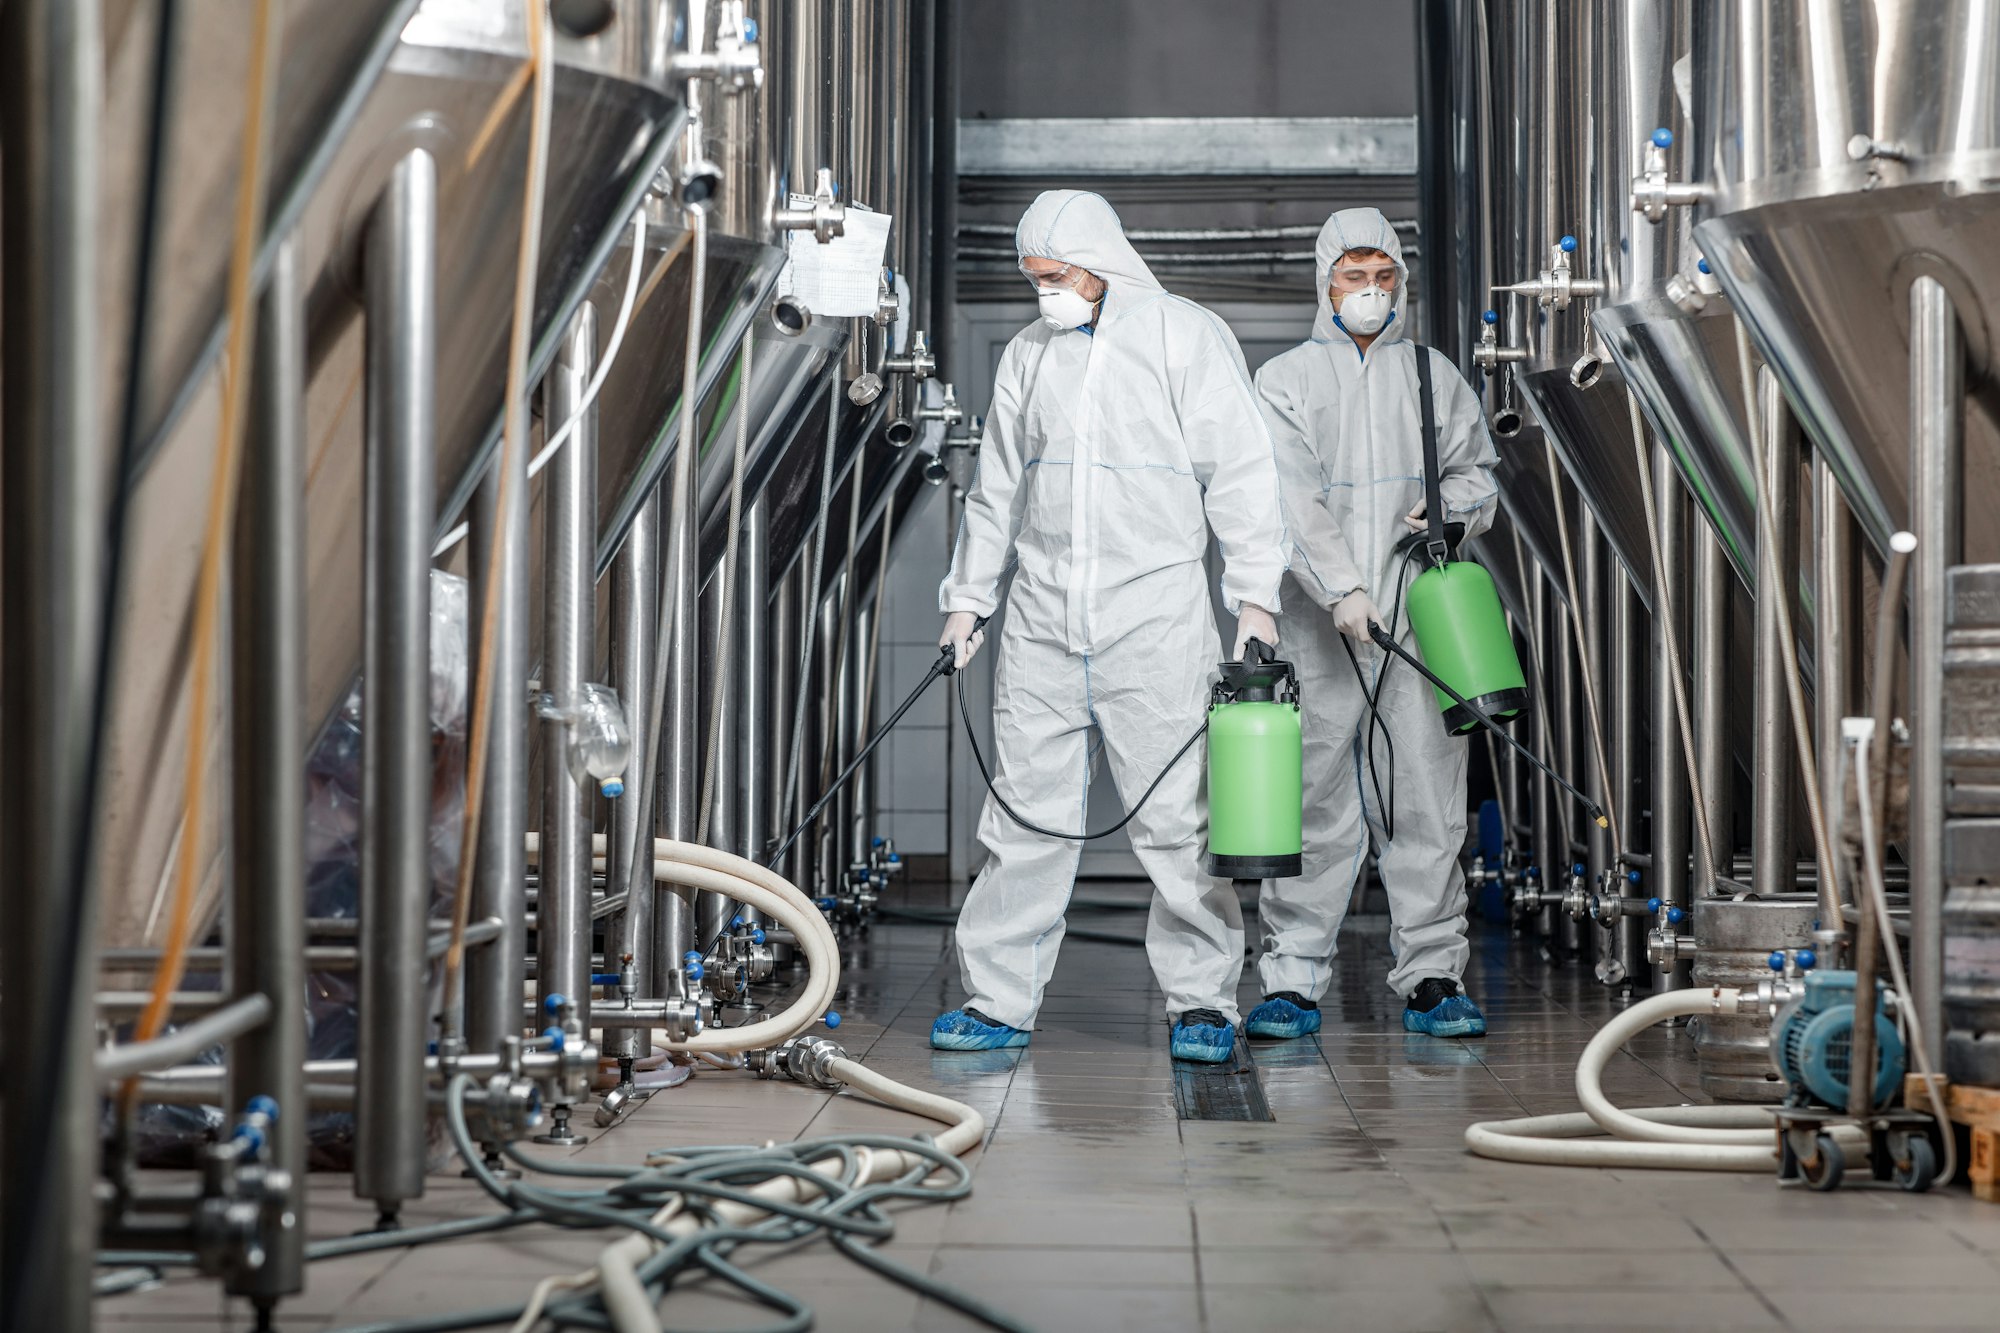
{"x": 1600, "y": 586}
{"x": 1836, "y": 645}
{"x": 569, "y": 626}
{"x": 829, "y": 753}
{"x": 944, "y": 180}
{"x": 1567, "y": 708}
{"x": 754, "y": 735}
{"x": 316, "y": 957}
{"x": 400, "y": 486}
{"x": 1937, "y": 435}
{"x": 1546, "y": 863}
{"x": 266, "y": 925}
{"x": 1628, "y": 943}
{"x": 680, "y": 725}
{"x": 230, "y": 1021}
{"x": 1773, "y": 847}
{"x": 51, "y": 98}
{"x": 494, "y": 977}
{"x": 1713, "y": 579}
{"x": 861, "y": 802}
{"x": 1667, "y": 878}
{"x": 784, "y": 696}
{"x": 635, "y": 632}
{"x": 712, "y": 910}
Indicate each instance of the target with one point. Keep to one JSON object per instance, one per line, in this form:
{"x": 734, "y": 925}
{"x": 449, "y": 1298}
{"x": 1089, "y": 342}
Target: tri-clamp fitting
{"x": 1693, "y": 294}
{"x": 1489, "y": 354}
{"x": 734, "y": 62}
{"x": 918, "y": 363}
{"x": 1556, "y": 286}
{"x": 1652, "y": 192}
{"x": 824, "y": 216}
{"x": 1666, "y": 946}
{"x": 947, "y": 411}
{"x": 1529, "y": 897}
{"x": 741, "y": 952}
{"x": 1609, "y": 905}
{"x": 807, "y": 1060}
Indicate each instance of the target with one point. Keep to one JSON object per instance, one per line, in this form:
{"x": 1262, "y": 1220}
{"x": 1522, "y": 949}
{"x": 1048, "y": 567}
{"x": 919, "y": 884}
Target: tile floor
{"x": 1096, "y": 1208}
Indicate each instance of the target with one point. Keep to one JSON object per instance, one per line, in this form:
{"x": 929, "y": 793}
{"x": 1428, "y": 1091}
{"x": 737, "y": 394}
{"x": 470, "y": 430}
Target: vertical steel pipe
{"x": 1714, "y": 756}
{"x": 496, "y": 974}
{"x": 635, "y": 632}
{"x": 1937, "y": 437}
{"x": 267, "y": 896}
{"x": 827, "y": 753}
{"x": 784, "y": 696}
{"x": 680, "y": 722}
{"x": 400, "y": 506}
{"x": 861, "y": 711}
{"x": 51, "y": 96}
{"x": 1774, "y": 849}
{"x": 754, "y": 736}
{"x": 1568, "y": 722}
{"x": 713, "y": 910}
{"x": 1601, "y": 584}
{"x": 1836, "y": 653}
{"x": 1627, "y": 630}
{"x": 1668, "y": 878}
{"x": 1548, "y": 864}
{"x": 569, "y": 627}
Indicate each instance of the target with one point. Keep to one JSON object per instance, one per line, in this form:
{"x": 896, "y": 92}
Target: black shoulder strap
{"x": 1433, "y": 495}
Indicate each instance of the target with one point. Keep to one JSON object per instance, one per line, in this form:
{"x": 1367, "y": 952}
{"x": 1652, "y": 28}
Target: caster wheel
{"x": 1918, "y": 1167}
{"x": 1826, "y": 1166}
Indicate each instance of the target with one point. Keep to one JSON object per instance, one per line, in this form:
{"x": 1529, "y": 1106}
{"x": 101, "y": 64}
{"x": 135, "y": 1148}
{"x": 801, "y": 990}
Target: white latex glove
{"x": 1414, "y": 520}
{"x": 1353, "y": 614}
{"x": 961, "y": 636}
{"x": 1254, "y": 622}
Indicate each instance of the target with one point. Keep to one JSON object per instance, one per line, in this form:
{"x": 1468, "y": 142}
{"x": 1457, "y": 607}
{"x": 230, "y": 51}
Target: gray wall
{"x": 1186, "y": 58}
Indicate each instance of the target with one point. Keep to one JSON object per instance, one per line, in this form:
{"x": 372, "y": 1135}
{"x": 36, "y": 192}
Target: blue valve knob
{"x": 1653, "y": 905}
{"x": 1663, "y": 137}
{"x": 604, "y": 978}
{"x": 1807, "y": 958}
{"x": 1777, "y": 960}
{"x": 694, "y": 972}
{"x": 251, "y": 1137}
{"x": 736, "y": 922}
{"x": 889, "y": 276}
{"x": 757, "y": 935}
{"x": 1675, "y": 915}
{"x": 1490, "y": 317}
{"x": 1568, "y": 244}
{"x": 612, "y": 788}
{"x": 750, "y": 35}
{"x": 895, "y": 858}
{"x": 825, "y": 904}
{"x": 1577, "y": 868}
{"x": 555, "y": 1036}
{"x": 691, "y": 956}
{"x": 1702, "y": 264}
{"x": 1631, "y": 877}
{"x": 262, "y": 1105}
{"x": 554, "y": 1003}
{"x": 1533, "y": 872}
{"x": 876, "y": 841}
{"x": 832, "y": 1019}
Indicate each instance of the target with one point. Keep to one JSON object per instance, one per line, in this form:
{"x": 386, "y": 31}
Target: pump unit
{"x": 1812, "y": 1039}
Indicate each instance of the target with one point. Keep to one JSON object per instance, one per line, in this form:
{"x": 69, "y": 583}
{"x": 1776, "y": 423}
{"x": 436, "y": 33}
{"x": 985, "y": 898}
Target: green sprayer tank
{"x": 1256, "y": 786}
{"x": 1463, "y": 636}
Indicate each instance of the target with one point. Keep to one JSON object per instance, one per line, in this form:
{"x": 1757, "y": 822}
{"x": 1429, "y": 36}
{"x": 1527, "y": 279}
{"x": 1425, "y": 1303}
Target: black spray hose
{"x": 1387, "y": 642}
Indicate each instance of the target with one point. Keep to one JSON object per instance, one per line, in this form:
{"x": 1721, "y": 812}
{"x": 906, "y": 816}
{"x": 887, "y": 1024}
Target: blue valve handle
{"x": 832, "y": 1019}
{"x": 555, "y": 1036}
{"x": 757, "y": 935}
{"x": 1568, "y": 244}
{"x": 1675, "y": 916}
{"x": 1807, "y": 959}
{"x": 604, "y": 978}
{"x": 1654, "y": 905}
{"x": 1490, "y": 317}
{"x": 554, "y": 1003}
{"x": 1663, "y": 137}
{"x": 262, "y": 1105}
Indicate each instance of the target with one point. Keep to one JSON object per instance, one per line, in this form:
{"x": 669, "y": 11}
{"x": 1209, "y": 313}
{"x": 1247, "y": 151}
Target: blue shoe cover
{"x": 1204, "y": 1036}
{"x": 1282, "y": 1017}
{"x": 970, "y": 1030}
{"x": 1438, "y": 1010}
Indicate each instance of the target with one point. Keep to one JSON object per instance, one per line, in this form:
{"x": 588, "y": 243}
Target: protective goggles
{"x": 1068, "y": 276}
{"x": 1360, "y": 277}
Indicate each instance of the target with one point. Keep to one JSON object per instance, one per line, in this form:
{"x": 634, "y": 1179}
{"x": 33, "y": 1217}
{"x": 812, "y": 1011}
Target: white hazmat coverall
{"x": 1110, "y": 453}
{"x": 1348, "y": 432}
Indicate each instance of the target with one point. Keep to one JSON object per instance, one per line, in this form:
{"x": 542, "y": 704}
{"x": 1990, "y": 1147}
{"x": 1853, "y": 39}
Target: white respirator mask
{"x": 1366, "y": 311}
{"x": 1064, "y": 308}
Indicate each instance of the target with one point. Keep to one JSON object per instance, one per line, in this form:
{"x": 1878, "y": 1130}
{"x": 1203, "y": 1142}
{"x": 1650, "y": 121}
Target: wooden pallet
{"x": 1978, "y": 1109}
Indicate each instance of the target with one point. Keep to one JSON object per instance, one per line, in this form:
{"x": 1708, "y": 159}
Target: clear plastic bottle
{"x": 600, "y": 746}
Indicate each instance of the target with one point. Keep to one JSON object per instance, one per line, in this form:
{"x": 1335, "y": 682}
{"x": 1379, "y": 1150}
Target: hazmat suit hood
{"x": 1356, "y": 229}
{"x": 1081, "y": 228}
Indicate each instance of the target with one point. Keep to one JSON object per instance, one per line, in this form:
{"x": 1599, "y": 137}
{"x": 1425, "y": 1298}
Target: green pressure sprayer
{"x": 1256, "y": 773}
{"x": 1467, "y": 648}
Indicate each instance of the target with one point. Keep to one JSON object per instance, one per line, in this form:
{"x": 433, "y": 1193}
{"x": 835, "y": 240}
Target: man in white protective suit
{"x": 1123, "y": 429}
{"x": 1346, "y": 420}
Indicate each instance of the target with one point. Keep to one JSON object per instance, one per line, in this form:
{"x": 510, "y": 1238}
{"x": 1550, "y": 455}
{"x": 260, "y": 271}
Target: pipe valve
{"x": 947, "y": 411}
{"x": 1556, "y": 286}
{"x": 807, "y": 1060}
{"x": 918, "y": 363}
{"x": 734, "y": 63}
{"x": 1652, "y": 192}
{"x": 824, "y": 216}
{"x": 1489, "y": 354}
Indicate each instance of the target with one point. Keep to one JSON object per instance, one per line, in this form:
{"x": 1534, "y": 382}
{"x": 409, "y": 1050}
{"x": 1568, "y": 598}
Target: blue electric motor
{"x": 1812, "y": 1040}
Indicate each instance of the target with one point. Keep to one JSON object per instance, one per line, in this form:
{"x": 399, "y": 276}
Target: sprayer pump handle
{"x": 1256, "y": 650}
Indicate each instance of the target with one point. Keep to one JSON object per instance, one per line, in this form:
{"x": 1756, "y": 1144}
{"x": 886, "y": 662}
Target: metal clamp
{"x": 918, "y": 364}
{"x": 1555, "y": 286}
{"x": 1666, "y": 947}
{"x": 735, "y": 62}
{"x": 1652, "y": 192}
{"x": 807, "y": 1060}
{"x": 1489, "y": 354}
{"x": 825, "y": 217}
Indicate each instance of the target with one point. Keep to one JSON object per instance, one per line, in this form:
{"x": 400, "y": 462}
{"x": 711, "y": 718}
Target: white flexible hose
{"x": 631, "y": 1306}
{"x": 618, "y": 327}
{"x": 751, "y": 884}
{"x": 1621, "y": 1029}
